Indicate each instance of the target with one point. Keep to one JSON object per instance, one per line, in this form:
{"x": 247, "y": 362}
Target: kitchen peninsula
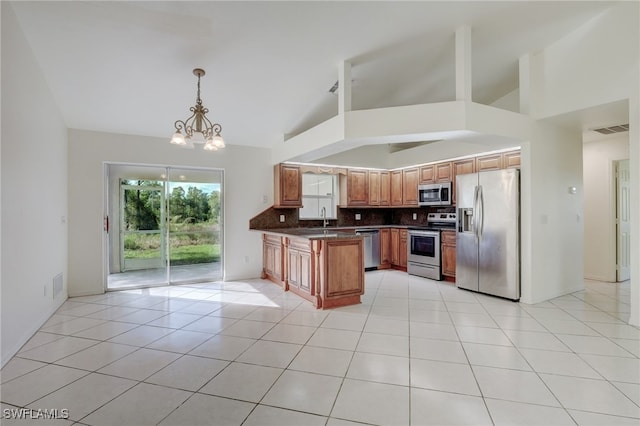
{"x": 298, "y": 260}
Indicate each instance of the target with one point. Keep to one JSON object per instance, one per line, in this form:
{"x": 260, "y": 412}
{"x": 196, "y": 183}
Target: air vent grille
{"x": 58, "y": 284}
{"x": 612, "y": 129}
{"x": 334, "y": 88}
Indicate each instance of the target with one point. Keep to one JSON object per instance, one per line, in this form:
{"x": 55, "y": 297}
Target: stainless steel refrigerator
{"x": 488, "y": 237}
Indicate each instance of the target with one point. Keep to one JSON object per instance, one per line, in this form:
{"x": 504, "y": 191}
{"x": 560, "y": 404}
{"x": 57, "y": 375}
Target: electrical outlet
{"x": 358, "y": 216}
{"x": 265, "y": 199}
{"x": 415, "y": 216}
{"x": 246, "y": 259}
{"x": 281, "y": 218}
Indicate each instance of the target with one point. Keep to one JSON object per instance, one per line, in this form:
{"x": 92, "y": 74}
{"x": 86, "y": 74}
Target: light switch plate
{"x": 358, "y": 216}
{"x": 415, "y": 216}
{"x": 281, "y": 218}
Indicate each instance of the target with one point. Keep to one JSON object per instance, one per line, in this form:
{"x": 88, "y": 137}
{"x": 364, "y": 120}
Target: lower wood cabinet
{"x": 299, "y": 267}
{"x": 448, "y": 253}
{"x": 272, "y": 258}
{"x": 385, "y": 248}
{"x": 326, "y": 272}
{"x": 398, "y": 237}
{"x": 402, "y": 248}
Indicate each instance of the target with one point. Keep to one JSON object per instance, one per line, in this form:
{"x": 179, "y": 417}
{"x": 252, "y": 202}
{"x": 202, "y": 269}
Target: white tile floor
{"x": 415, "y": 352}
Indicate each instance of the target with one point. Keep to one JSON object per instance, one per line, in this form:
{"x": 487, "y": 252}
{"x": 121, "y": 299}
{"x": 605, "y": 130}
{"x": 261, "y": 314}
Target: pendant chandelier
{"x": 198, "y": 128}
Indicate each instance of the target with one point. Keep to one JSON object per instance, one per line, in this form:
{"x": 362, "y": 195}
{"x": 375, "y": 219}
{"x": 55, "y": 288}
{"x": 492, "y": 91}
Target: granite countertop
{"x": 314, "y": 233}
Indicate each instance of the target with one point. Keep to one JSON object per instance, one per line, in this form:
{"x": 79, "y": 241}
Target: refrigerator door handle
{"x": 474, "y": 222}
{"x": 481, "y": 212}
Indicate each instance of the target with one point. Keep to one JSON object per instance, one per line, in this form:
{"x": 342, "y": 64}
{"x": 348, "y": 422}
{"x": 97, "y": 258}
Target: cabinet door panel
{"x": 427, "y": 174}
{"x": 395, "y": 244}
{"x": 402, "y": 249}
{"x": 385, "y": 188}
{"x": 410, "y": 187}
{"x": 511, "y": 160}
{"x": 489, "y": 162}
{"x": 443, "y": 172}
{"x": 357, "y": 187}
{"x": 374, "y": 188}
{"x": 288, "y": 185}
{"x": 385, "y": 247}
{"x": 396, "y": 188}
{"x": 305, "y": 272}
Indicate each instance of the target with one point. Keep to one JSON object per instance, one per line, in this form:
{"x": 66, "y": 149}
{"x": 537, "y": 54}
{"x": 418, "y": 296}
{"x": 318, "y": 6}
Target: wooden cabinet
{"x": 410, "y": 187}
{"x": 299, "y": 276}
{"x": 374, "y": 187}
{"x": 398, "y": 248}
{"x": 443, "y": 172}
{"x": 489, "y": 162}
{"x": 394, "y": 235}
{"x": 448, "y": 253}
{"x": 402, "y": 249}
{"x": 396, "y": 188}
{"x": 427, "y": 174}
{"x": 272, "y": 260}
{"x": 511, "y": 160}
{"x": 461, "y": 167}
{"x": 385, "y": 188}
{"x": 357, "y": 187}
{"x": 287, "y": 186}
{"x": 327, "y": 272}
{"x": 385, "y": 248}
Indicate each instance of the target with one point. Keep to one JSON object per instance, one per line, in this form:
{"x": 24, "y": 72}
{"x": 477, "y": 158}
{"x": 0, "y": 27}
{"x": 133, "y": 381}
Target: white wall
{"x": 596, "y": 65}
{"x": 552, "y": 218}
{"x": 248, "y": 178}
{"x": 599, "y": 205}
{"x": 34, "y": 192}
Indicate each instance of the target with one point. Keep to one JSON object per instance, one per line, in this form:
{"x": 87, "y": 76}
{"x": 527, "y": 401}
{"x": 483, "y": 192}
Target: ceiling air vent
{"x": 612, "y": 129}
{"x": 334, "y": 88}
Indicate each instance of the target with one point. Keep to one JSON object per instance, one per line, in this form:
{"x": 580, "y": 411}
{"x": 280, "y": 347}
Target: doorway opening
{"x": 164, "y": 225}
{"x": 623, "y": 221}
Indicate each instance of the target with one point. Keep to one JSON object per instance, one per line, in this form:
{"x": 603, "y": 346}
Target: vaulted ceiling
{"x": 126, "y": 67}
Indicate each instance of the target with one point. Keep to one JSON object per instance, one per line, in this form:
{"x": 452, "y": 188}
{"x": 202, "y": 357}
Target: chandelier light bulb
{"x": 218, "y": 141}
{"x": 178, "y": 138}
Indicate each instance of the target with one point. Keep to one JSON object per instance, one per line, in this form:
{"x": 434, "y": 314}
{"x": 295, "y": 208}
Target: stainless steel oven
{"x": 423, "y": 254}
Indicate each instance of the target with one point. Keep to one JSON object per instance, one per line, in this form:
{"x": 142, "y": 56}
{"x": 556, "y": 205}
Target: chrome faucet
{"x": 323, "y": 214}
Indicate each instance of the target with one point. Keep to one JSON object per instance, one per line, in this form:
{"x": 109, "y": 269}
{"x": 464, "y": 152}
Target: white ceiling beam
{"x": 463, "y": 63}
{"x": 344, "y": 87}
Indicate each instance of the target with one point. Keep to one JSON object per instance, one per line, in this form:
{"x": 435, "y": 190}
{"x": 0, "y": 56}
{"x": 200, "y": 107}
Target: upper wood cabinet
{"x": 396, "y": 188}
{"x": 427, "y": 174}
{"x": 410, "y": 187}
{"x": 374, "y": 187}
{"x": 511, "y": 160}
{"x": 287, "y": 186}
{"x": 443, "y": 172}
{"x": 357, "y": 187}
{"x": 489, "y": 162}
{"x": 385, "y": 188}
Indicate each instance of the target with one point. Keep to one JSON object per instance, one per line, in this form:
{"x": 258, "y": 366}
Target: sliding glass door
{"x": 194, "y": 225}
{"x": 164, "y": 225}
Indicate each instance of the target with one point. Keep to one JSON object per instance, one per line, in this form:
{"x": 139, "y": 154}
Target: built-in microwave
{"x": 435, "y": 194}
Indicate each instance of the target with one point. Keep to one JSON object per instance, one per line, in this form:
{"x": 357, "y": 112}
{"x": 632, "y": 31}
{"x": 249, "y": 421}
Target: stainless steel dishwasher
{"x": 371, "y": 247}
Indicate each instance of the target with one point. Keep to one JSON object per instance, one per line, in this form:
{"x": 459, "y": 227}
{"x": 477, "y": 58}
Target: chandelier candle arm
{"x": 198, "y": 122}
